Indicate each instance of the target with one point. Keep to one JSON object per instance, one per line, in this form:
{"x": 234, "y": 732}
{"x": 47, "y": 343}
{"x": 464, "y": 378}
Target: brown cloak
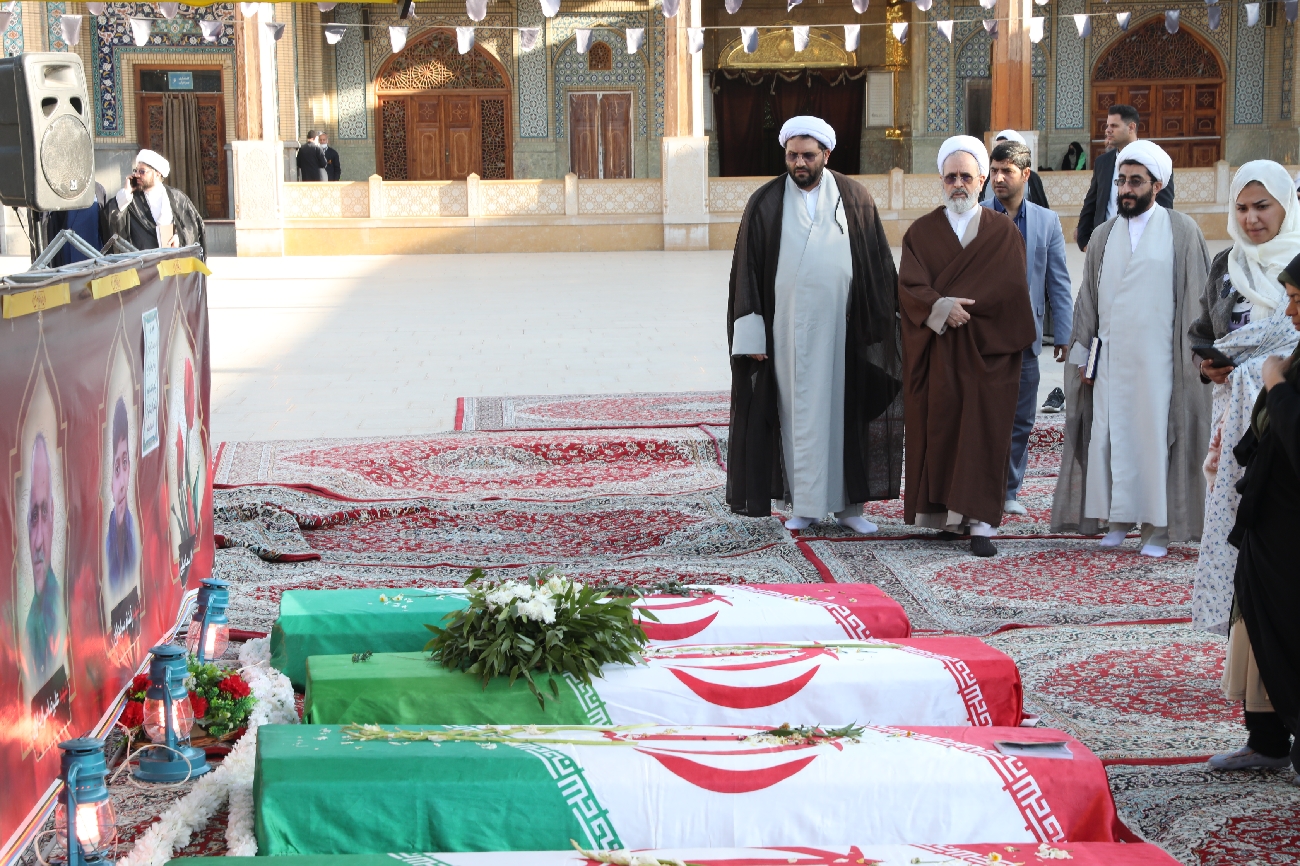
{"x": 873, "y": 415}
{"x": 960, "y": 387}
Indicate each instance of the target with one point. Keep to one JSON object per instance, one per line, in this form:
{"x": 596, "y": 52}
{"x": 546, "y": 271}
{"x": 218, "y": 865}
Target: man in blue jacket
{"x": 1049, "y": 282}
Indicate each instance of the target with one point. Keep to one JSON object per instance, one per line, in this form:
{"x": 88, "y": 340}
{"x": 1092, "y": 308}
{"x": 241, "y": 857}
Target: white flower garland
{"x": 231, "y": 782}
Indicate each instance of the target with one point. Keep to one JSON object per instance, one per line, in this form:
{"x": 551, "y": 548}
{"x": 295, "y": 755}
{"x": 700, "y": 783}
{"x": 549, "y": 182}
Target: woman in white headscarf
{"x": 1243, "y": 313}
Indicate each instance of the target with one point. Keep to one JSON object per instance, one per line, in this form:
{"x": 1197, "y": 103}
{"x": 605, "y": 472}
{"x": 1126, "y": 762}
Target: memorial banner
{"x": 105, "y": 513}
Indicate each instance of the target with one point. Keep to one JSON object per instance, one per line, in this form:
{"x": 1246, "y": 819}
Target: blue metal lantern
{"x": 209, "y": 632}
{"x": 84, "y": 815}
{"x": 168, "y": 718}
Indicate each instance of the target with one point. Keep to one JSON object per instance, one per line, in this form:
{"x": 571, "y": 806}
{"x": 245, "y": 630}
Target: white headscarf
{"x": 1010, "y": 135}
{"x": 1150, "y": 155}
{"x": 154, "y": 160}
{"x": 1253, "y": 267}
{"x": 965, "y": 144}
{"x": 814, "y": 127}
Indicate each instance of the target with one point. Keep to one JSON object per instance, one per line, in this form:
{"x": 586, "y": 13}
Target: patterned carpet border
{"x": 594, "y": 411}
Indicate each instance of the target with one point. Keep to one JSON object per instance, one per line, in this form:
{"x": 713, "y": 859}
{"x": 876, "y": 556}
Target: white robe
{"x": 1128, "y": 456}
{"x": 813, "y": 274}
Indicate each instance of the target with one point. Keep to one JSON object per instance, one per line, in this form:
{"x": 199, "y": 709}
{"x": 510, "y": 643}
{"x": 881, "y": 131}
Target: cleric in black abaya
{"x": 1267, "y": 578}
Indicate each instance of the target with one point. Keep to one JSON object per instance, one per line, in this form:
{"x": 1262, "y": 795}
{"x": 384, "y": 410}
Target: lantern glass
{"x": 215, "y": 639}
{"x": 96, "y": 825}
{"x": 155, "y": 718}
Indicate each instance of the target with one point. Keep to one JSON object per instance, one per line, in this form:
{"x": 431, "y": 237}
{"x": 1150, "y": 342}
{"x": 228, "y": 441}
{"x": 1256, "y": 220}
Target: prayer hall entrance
{"x": 1175, "y": 81}
{"x": 181, "y": 113}
{"x": 442, "y": 115}
{"x": 755, "y": 93}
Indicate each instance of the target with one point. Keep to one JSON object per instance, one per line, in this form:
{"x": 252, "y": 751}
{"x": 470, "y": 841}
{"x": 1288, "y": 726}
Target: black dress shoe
{"x": 945, "y": 535}
{"x": 1055, "y": 402}
{"x": 981, "y": 545}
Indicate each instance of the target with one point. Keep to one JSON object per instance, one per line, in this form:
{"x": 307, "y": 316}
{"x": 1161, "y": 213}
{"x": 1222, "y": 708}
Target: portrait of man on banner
{"x": 120, "y": 585}
{"x": 40, "y": 590}
{"x": 187, "y": 458}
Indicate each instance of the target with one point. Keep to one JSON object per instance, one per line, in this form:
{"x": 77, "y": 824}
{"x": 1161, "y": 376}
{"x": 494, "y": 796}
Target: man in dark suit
{"x": 333, "y": 168}
{"x": 1099, "y": 205}
{"x": 311, "y": 159}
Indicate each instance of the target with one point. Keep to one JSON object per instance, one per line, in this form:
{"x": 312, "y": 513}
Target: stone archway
{"x": 1175, "y": 81}
{"x": 442, "y": 115}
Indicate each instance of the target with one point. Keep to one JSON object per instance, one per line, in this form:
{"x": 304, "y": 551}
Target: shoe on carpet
{"x": 982, "y": 545}
{"x": 858, "y": 524}
{"x": 949, "y": 535}
{"x": 797, "y": 523}
{"x": 1055, "y": 402}
{"x": 1154, "y": 551}
{"x": 1247, "y": 758}
{"x": 1114, "y": 538}
{"x": 1011, "y": 506}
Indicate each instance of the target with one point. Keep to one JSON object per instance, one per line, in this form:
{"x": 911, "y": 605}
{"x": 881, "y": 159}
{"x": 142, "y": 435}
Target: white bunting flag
{"x": 274, "y": 29}
{"x": 733, "y": 6}
{"x": 991, "y": 27}
{"x": 1211, "y": 2}
{"x": 1215, "y": 13}
{"x": 140, "y": 28}
{"x": 1036, "y": 29}
{"x": 790, "y": 4}
{"x": 397, "y": 36}
{"x": 6, "y": 17}
{"x": 670, "y": 7}
{"x": 96, "y": 8}
{"x": 945, "y": 27}
{"x": 1040, "y": 2}
{"x": 1292, "y": 8}
{"x": 749, "y": 39}
{"x": 464, "y": 39}
{"x": 1252, "y": 14}
{"x": 695, "y": 39}
{"x": 1171, "y": 21}
{"x": 476, "y": 9}
{"x": 582, "y": 40}
{"x": 266, "y": 11}
{"x": 1123, "y": 19}
{"x": 988, "y": 4}
{"x": 248, "y": 10}
{"x": 899, "y": 29}
{"x": 852, "y": 35}
{"x": 1083, "y": 23}
{"x": 528, "y": 38}
{"x": 550, "y": 8}
{"x": 924, "y": 5}
{"x": 70, "y": 27}
{"x": 800, "y": 37}
{"x": 169, "y": 10}
{"x": 860, "y": 6}
{"x": 635, "y": 39}
{"x": 326, "y": 7}
{"x": 334, "y": 33}
{"x": 212, "y": 30}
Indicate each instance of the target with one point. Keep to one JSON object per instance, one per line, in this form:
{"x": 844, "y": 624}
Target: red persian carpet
{"x": 593, "y": 411}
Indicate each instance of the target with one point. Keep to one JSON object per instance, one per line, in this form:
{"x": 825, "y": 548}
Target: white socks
{"x": 1114, "y": 538}
{"x": 796, "y": 523}
{"x": 1154, "y": 550}
{"x": 858, "y": 524}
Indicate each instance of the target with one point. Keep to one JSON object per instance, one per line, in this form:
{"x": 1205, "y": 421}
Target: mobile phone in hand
{"x": 1213, "y": 355}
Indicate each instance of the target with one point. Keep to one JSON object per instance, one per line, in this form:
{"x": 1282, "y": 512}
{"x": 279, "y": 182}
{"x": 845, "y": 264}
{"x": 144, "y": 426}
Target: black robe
{"x": 873, "y": 411}
{"x": 1267, "y": 577}
{"x": 135, "y": 223}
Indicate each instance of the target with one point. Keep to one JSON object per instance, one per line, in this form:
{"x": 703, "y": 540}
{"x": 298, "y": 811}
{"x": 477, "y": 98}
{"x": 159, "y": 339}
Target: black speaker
{"x": 47, "y": 156}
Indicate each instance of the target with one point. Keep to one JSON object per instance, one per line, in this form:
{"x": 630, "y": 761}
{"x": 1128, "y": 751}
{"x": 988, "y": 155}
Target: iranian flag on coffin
{"x": 774, "y": 612}
{"x": 928, "y": 681}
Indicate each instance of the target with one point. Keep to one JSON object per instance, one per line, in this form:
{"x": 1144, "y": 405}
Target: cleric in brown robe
{"x": 816, "y": 420}
{"x": 966, "y": 317}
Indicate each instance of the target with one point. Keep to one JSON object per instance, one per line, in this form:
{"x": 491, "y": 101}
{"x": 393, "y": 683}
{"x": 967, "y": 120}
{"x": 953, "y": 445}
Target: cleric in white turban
{"x": 1138, "y": 426}
{"x": 813, "y": 327}
{"x": 149, "y": 214}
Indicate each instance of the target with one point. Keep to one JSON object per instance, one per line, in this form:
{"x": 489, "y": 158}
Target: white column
{"x": 686, "y": 193}
{"x": 258, "y": 182}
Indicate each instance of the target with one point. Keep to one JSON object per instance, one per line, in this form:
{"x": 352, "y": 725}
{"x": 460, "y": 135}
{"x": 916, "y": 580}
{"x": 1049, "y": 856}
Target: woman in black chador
{"x": 1267, "y": 578}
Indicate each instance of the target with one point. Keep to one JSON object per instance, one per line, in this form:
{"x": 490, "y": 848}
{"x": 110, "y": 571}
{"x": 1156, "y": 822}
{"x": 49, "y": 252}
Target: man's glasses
{"x": 796, "y": 158}
{"x": 953, "y": 179}
{"x": 1134, "y": 182}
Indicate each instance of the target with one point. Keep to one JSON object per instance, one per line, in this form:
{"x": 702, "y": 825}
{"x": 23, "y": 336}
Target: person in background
{"x": 1267, "y": 591}
{"x": 148, "y": 213}
{"x": 1243, "y": 313}
{"x": 1034, "y": 191}
{"x": 1100, "y": 203}
{"x": 1049, "y": 282}
{"x": 333, "y": 168}
{"x": 311, "y": 159}
{"x": 85, "y": 222}
{"x": 1075, "y": 159}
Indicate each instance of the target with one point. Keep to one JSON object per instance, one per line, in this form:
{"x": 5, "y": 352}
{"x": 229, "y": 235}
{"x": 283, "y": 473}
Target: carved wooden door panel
{"x": 212, "y": 144}
{"x": 461, "y": 119}
{"x": 584, "y": 134}
{"x": 616, "y": 135}
{"x": 429, "y": 152}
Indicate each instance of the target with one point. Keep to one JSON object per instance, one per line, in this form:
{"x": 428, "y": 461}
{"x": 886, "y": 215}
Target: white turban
{"x": 814, "y": 127}
{"x": 1150, "y": 155}
{"x": 154, "y": 160}
{"x": 965, "y": 144}
{"x": 1010, "y": 135}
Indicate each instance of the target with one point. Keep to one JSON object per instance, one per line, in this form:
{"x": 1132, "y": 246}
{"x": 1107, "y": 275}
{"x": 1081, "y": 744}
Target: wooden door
{"x": 460, "y": 114}
{"x": 584, "y": 135}
{"x": 212, "y": 143}
{"x": 429, "y": 154}
{"x": 616, "y": 135}
{"x": 1183, "y": 117}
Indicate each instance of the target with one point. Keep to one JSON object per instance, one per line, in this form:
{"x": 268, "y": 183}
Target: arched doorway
{"x": 442, "y": 115}
{"x": 1175, "y": 81}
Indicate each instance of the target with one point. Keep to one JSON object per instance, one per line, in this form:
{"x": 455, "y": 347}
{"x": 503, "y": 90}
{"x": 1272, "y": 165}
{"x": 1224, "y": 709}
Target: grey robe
{"x": 1188, "y": 428}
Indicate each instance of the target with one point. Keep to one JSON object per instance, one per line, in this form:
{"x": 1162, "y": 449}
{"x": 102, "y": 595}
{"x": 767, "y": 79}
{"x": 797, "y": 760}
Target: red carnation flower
{"x": 200, "y": 705}
{"x": 235, "y": 686}
{"x": 140, "y": 683}
{"x": 132, "y": 714}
